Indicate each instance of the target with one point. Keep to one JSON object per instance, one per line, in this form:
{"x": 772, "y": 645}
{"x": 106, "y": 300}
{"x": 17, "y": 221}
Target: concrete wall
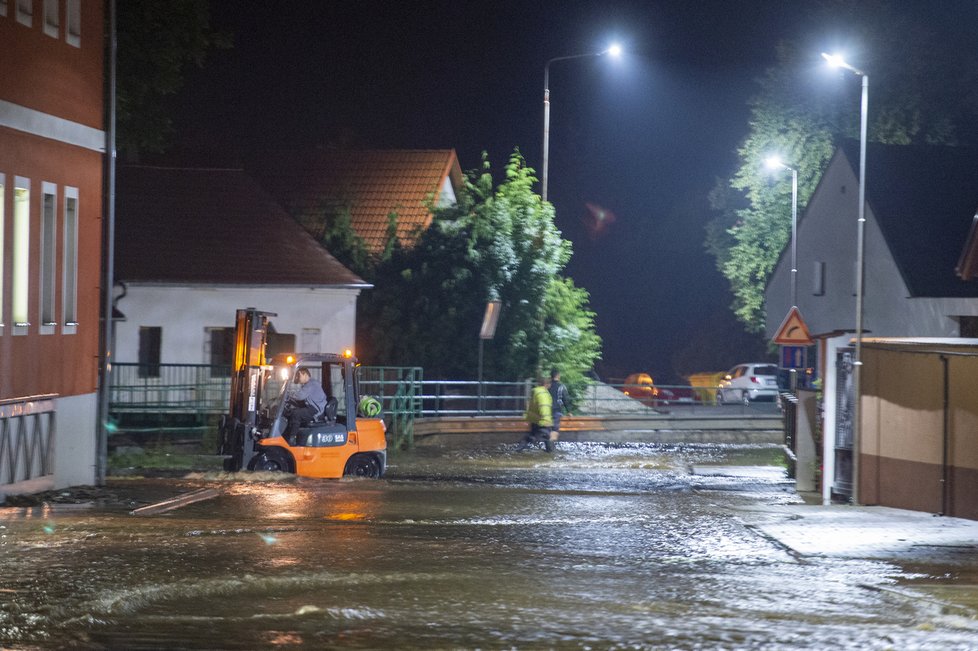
{"x": 902, "y": 460}
{"x": 185, "y": 313}
{"x": 74, "y": 448}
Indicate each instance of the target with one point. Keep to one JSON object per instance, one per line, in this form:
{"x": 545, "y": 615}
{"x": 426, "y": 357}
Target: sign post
{"x": 489, "y": 322}
{"x": 794, "y": 339}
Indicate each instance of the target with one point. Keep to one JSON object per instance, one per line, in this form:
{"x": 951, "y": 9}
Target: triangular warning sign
{"x": 793, "y": 331}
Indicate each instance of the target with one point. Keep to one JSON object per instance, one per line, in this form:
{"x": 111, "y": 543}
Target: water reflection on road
{"x": 597, "y": 547}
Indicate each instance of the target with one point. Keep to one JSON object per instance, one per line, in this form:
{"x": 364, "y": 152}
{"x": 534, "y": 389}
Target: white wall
{"x": 75, "y": 440}
{"x": 184, "y": 314}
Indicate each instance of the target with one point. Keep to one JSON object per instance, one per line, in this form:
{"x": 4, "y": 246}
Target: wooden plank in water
{"x": 176, "y": 502}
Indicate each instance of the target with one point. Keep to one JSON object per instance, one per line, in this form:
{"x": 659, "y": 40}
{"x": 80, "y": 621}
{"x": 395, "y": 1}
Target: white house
{"x": 194, "y": 245}
{"x": 919, "y": 205}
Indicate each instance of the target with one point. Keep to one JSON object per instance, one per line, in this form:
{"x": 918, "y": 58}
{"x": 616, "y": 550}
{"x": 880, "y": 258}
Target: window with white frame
{"x": 73, "y": 23}
{"x": 3, "y": 7}
{"x": 25, "y": 12}
{"x": 52, "y": 18}
{"x": 20, "y": 287}
{"x": 49, "y": 247}
{"x": 3, "y": 204}
{"x": 69, "y": 287}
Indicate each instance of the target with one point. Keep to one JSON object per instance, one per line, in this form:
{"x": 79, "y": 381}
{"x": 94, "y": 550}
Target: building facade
{"x": 52, "y": 145}
{"x": 195, "y": 245}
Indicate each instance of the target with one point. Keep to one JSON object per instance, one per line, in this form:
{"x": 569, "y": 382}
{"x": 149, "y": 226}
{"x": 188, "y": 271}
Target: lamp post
{"x": 614, "y": 51}
{"x": 837, "y": 61}
{"x": 775, "y": 163}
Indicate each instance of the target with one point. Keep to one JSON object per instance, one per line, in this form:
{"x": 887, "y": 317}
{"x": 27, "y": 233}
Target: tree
{"x": 914, "y": 70}
{"x": 495, "y": 244}
{"x": 156, "y": 42}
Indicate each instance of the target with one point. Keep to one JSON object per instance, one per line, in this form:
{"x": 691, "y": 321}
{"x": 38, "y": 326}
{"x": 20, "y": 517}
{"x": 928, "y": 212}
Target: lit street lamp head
{"x": 836, "y": 61}
{"x": 614, "y": 50}
{"x": 774, "y": 163}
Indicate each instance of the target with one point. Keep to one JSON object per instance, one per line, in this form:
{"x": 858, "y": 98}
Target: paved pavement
{"x": 875, "y": 532}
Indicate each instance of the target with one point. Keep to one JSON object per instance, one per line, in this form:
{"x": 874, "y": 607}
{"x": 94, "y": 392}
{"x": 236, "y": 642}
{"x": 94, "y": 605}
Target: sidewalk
{"x": 871, "y": 532}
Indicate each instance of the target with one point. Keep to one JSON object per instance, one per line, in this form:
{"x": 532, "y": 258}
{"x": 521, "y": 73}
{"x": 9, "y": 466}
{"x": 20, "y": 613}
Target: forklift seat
{"x": 329, "y": 412}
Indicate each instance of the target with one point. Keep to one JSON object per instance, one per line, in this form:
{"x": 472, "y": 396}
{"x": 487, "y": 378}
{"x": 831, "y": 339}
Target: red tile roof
{"x": 371, "y": 183}
{"x": 213, "y": 226}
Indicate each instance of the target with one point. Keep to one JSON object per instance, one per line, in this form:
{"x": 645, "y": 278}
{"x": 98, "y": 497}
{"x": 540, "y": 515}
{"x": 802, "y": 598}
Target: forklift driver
{"x": 307, "y": 403}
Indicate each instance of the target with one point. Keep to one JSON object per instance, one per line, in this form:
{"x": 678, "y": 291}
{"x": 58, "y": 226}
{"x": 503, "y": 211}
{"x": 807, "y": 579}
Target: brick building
{"x": 52, "y": 145}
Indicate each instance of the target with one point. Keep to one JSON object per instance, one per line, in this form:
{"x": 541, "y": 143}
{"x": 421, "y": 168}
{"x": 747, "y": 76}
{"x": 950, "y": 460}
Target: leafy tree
{"x": 156, "y": 42}
{"x": 913, "y": 70}
{"x": 494, "y": 244}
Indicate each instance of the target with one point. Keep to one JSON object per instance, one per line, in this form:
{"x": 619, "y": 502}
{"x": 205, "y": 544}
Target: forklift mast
{"x": 250, "y": 339}
{"x": 247, "y": 376}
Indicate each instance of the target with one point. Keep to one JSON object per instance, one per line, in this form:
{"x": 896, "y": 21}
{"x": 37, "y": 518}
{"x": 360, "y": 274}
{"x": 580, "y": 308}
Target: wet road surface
{"x": 601, "y": 547}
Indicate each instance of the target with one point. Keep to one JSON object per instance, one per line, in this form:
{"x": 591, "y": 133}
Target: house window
{"x": 21, "y": 249}
{"x": 221, "y": 350}
{"x": 25, "y": 12}
{"x": 279, "y": 343}
{"x": 69, "y": 288}
{"x": 52, "y": 19}
{"x": 968, "y": 326}
{"x": 818, "y": 279}
{"x": 49, "y": 234}
{"x": 3, "y": 7}
{"x": 73, "y": 31}
{"x": 150, "y": 338}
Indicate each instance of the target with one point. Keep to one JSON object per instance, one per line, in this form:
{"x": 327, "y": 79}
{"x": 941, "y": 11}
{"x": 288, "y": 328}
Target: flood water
{"x": 597, "y": 547}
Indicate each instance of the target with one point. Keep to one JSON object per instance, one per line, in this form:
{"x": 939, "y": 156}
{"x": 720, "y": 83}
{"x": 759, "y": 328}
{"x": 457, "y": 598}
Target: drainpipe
{"x": 946, "y": 443}
{"x": 108, "y": 259}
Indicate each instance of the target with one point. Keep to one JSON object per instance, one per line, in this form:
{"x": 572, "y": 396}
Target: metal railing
{"x": 27, "y": 436}
{"x": 203, "y": 390}
{"x": 200, "y": 388}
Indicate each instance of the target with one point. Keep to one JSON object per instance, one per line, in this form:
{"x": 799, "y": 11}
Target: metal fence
{"x": 175, "y": 388}
{"x": 27, "y": 435}
{"x": 405, "y": 395}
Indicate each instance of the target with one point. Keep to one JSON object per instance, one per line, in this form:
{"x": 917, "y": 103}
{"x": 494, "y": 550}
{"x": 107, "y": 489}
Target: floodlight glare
{"x": 614, "y": 50}
{"x": 834, "y": 60}
{"x": 774, "y": 162}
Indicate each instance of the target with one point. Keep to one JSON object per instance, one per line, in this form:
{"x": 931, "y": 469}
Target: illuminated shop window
{"x": 22, "y": 239}
{"x": 3, "y": 204}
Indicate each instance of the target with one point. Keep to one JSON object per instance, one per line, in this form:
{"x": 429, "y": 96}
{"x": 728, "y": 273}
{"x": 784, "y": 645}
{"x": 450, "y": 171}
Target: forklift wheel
{"x": 362, "y": 465}
{"x": 270, "y": 460}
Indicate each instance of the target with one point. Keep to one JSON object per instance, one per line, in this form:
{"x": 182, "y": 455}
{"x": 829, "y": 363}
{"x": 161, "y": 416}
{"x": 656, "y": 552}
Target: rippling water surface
{"x": 603, "y": 547}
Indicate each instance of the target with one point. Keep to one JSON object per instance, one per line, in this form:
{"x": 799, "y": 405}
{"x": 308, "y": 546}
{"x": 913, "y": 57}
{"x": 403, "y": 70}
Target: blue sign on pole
{"x": 793, "y": 357}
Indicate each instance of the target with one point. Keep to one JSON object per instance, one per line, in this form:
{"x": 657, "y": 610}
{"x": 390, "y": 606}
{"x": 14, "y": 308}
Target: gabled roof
{"x": 370, "y": 183}
{"x": 213, "y": 226}
{"x": 923, "y": 198}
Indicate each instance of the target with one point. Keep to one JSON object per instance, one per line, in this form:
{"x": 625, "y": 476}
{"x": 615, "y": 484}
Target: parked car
{"x": 745, "y": 383}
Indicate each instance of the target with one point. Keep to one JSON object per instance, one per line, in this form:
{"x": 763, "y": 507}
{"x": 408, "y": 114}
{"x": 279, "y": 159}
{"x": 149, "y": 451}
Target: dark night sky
{"x": 644, "y": 136}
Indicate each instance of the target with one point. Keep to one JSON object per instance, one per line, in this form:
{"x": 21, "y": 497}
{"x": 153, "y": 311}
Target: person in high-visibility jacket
{"x": 539, "y": 414}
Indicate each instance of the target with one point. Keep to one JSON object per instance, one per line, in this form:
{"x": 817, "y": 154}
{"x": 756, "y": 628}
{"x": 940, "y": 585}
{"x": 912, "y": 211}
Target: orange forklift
{"x": 348, "y": 439}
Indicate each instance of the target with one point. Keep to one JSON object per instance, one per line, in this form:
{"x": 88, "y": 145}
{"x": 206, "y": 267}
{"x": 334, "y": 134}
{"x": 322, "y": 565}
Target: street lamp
{"x": 836, "y": 61}
{"x": 775, "y": 163}
{"x": 614, "y": 50}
